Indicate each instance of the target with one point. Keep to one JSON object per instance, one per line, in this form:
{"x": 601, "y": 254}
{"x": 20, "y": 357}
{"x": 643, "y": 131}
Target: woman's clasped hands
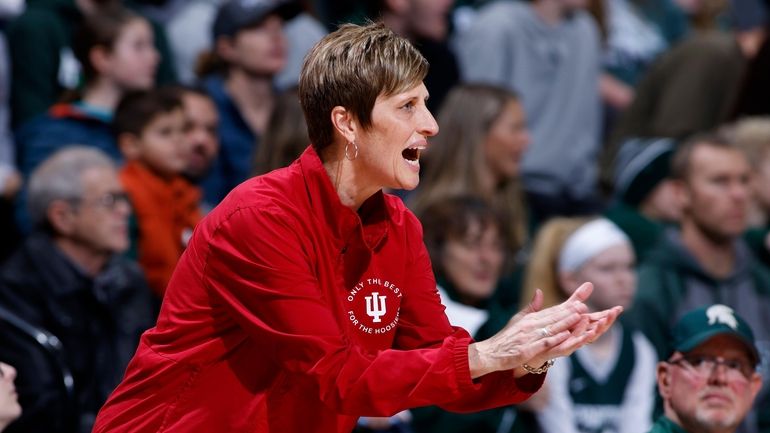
{"x": 535, "y": 336}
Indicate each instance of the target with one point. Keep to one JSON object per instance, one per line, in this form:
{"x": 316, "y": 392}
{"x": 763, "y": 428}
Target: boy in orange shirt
{"x": 150, "y": 130}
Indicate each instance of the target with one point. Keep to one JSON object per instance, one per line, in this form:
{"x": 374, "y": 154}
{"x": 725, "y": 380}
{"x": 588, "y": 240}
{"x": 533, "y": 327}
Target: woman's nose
{"x": 429, "y": 125}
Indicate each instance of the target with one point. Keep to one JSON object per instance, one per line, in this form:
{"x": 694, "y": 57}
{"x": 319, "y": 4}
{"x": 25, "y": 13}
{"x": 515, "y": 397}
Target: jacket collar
{"x": 61, "y": 274}
{"x": 156, "y": 184}
{"x": 669, "y": 425}
{"x": 371, "y": 221}
{"x": 80, "y": 111}
{"x": 63, "y": 277}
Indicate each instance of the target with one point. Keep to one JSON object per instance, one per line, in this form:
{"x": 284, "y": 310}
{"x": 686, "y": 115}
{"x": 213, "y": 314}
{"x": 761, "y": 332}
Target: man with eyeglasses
{"x": 710, "y": 381}
{"x": 68, "y": 282}
{"x": 705, "y": 260}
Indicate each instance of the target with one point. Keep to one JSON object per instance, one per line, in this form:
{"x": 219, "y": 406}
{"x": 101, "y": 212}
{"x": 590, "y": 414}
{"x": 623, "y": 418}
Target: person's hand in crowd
{"x": 9, "y": 403}
{"x": 615, "y": 93}
{"x": 534, "y": 336}
{"x": 10, "y": 181}
{"x": 11, "y": 186}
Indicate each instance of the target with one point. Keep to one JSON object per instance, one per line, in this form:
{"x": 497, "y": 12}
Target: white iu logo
{"x": 378, "y": 309}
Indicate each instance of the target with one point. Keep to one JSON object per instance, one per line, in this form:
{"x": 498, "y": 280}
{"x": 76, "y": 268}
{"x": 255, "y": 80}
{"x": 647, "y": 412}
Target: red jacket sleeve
{"x": 424, "y": 324}
{"x": 265, "y": 271}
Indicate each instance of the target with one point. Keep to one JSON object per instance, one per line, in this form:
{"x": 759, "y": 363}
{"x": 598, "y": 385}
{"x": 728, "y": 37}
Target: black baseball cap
{"x": 234, "y": 15}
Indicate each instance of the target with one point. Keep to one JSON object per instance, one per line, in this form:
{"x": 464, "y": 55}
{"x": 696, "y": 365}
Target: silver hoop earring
{"x": 347, "y": 151}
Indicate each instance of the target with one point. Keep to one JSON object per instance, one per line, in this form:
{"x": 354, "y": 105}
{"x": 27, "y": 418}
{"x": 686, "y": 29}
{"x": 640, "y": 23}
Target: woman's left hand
{"x": 534, "y": 336}
{"x": 590, "y": 328}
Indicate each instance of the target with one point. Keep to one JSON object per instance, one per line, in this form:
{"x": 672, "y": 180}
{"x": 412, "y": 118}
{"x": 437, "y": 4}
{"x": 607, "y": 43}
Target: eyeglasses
{"x": 107, "y": 200}
{"x": 704, "y": 365}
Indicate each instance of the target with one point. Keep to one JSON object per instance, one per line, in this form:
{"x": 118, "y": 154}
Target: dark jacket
{"x": 238, "y": 145}
{"x": 40, "y": 351}
{"x": 690, "y": 88}
{"x": 97, "y": 320}
{"x": 39, "y": 41}
{"x": 754, "y": 97}
{"x": 63, "y": 125}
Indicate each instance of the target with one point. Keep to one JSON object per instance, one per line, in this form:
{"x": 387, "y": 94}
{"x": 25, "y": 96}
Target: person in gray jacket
{"x": 549, "y": 53}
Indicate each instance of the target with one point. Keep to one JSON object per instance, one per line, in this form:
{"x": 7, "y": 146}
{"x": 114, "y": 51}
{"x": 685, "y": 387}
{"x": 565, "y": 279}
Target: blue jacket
{"x": 60, "y": 126}
{"x": 238, "y": 145}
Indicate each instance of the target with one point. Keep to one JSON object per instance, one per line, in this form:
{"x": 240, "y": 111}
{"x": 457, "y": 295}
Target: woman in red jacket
{"x": 306, "y": 298}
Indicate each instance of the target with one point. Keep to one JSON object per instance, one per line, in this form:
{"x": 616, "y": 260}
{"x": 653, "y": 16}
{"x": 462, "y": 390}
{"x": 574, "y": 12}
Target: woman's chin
{"x": 408, "y": 182}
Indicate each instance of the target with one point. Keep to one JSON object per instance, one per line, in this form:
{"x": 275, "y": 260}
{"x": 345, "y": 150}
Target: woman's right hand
{"x": 534, "y": 336}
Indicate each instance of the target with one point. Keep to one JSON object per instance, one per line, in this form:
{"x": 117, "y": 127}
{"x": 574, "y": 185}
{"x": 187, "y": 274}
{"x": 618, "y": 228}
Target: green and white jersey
{"x": 611, "y": 394}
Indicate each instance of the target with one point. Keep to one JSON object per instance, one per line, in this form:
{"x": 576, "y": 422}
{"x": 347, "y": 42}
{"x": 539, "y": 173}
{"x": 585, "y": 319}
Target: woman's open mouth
{"x": 412, "y": 155}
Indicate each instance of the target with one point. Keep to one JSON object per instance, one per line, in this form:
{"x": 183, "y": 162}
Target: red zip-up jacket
{"x": 289, "y": 312}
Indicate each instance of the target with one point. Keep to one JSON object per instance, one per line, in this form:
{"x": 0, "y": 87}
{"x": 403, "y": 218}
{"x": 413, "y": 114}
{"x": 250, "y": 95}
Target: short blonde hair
{"x": 752, "y": 134}
{"x": 351, "y": 67}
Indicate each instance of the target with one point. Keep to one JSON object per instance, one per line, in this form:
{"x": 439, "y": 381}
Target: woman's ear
{"x": 344, "y": 123}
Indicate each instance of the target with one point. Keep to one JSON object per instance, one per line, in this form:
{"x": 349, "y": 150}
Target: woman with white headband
{"x": 608, "y": 386}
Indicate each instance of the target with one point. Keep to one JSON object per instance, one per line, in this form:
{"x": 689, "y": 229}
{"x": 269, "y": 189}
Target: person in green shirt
{"x": 710, "y": 381}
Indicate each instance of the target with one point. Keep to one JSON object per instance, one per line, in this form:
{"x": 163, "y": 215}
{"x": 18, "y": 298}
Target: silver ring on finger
{"x": 544, "y": 332}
